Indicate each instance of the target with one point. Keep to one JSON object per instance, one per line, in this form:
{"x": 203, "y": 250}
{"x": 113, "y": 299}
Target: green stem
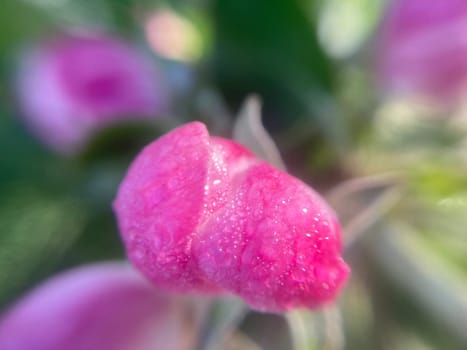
{"x": 316, "y": 330}
{"x": 223, "y": 318}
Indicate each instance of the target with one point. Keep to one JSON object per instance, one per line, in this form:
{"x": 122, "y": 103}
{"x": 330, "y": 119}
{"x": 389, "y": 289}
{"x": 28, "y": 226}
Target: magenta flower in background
{"x": 201, "y": 213}
{"x": 74, "y": 84}
{"x": 422, "y": 49}
{"x": 96, "y": 307}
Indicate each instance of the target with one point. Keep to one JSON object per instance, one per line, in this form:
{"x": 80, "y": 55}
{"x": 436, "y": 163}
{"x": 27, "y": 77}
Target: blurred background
{"x": 365, "y": 99}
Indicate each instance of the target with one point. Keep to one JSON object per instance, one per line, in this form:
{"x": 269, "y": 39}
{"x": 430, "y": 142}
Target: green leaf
{"x": 362, "y": 202}
{"x": 249, "y": 131}
{"x": 269, "y": 47}
{"x": 437, "y": 286}
{"x": 36, "y": 233}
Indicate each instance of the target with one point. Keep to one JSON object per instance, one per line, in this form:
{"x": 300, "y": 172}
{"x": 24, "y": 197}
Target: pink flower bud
{"x": 74, "y": 84}
{"x": 201, "y": 213}
{"x": 104, "y": 306}
{"x": 422, "y": 48}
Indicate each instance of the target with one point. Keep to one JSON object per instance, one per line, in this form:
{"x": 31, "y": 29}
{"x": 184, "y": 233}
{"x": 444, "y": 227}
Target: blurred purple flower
{"x": 102, "y": 306}
{"x": 422, "y": 48}
{"x": 74, "y": 84}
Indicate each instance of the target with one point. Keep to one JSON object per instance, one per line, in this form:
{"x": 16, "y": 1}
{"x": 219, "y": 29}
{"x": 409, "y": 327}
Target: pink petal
{"x": 421, "y": 48}
{"x": 277, "y": 244}
{"x": 74, "y": 84}
{"x": 102, "y": 306}
{"x": 161, "y": 202}
{"x": 200, "y": 213}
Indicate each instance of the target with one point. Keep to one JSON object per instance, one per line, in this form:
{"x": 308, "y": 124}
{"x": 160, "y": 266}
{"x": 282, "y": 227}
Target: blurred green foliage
{"x": 409, "y": 284}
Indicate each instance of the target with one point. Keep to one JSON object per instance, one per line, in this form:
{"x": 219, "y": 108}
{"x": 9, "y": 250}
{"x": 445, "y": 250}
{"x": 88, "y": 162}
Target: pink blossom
{"x": 422, "y": 48}
{"x": 203, "y": 214}
{"x": 102, "y": 306}
{"x": 73, "y": 84}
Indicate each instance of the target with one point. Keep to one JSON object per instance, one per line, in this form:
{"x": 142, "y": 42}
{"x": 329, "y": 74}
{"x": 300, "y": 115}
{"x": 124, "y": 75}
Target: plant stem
{"x": 223, "y": 318}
